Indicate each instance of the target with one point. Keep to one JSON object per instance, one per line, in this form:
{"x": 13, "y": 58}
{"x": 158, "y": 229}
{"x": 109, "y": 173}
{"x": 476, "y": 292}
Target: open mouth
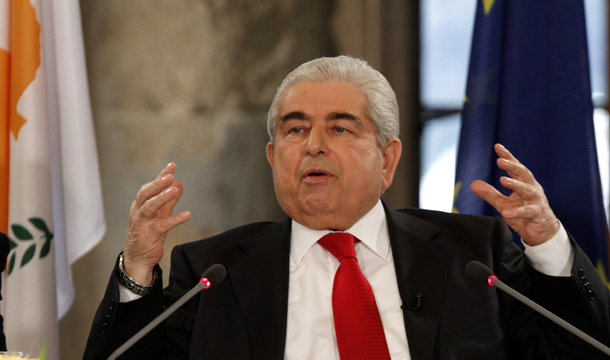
{"x": 316, "y": 175}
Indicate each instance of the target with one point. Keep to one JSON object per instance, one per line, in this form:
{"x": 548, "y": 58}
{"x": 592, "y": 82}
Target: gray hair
{"x": 380, "y": 100}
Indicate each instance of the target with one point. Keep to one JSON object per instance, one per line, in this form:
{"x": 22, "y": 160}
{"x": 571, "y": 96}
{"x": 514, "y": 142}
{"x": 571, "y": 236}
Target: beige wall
{"x": 190, "y": 81}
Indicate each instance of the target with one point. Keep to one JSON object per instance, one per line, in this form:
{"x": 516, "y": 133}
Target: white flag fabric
{"x": 50, "y": 194}
{"x": 77, "y": 192}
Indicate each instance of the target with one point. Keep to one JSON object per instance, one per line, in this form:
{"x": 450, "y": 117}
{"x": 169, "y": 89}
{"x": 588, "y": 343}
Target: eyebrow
{"x": 294, "y": 115}
{"x": 343, "y": 116}
{"x": 346, "y": 116}
{"x": 298, "y": 115}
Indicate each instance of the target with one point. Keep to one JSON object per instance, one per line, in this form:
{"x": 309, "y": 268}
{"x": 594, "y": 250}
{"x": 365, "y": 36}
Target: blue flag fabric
{"x": 529, "y": 89}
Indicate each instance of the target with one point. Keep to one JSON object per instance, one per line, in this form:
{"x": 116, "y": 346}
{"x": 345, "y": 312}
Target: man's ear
{"x": 270, "y": 152}
{"x": 391, "y": 155}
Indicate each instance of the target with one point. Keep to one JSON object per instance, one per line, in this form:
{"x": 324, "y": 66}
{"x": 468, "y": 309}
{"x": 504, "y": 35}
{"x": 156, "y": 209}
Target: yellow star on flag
{"x": 456, "y": 191}
{"x": 487, "y": 4}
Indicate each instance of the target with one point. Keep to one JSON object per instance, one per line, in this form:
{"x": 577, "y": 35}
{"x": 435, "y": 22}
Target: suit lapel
{"x": 421, "y": 267}
{"x": 260, "y": 285}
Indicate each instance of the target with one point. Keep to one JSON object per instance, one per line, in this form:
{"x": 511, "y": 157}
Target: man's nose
{"x": 316, "y": 143}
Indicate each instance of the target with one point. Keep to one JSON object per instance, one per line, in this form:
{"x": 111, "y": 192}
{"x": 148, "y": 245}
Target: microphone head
{"x": 477, "y": 271}
{"x": 214, "y": 275}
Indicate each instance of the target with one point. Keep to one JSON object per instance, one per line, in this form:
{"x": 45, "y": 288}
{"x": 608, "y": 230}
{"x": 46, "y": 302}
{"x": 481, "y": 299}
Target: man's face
{"x": 327, "y": 166}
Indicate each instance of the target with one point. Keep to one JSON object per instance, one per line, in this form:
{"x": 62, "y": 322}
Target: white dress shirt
{"x": 310, "y": 330}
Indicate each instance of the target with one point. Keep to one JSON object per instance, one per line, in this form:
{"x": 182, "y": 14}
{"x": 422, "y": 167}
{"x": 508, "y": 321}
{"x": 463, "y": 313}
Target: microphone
{"x": 479, "y": 272}
{"x": 212, "y": 276}
{"x": 414, "y": 304}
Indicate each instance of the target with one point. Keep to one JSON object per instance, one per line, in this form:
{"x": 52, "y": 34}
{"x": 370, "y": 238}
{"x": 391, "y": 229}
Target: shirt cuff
{"x": 555, "y": 257}
{"x": 126, "y": 295}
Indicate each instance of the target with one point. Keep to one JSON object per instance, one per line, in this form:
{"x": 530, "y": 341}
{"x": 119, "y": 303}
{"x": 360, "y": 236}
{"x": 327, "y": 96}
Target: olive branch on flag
{"x": 24, "y": 236}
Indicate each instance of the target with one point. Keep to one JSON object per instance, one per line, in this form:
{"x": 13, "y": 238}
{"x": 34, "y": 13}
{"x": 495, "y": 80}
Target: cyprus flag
{"x": 50, "y": 194}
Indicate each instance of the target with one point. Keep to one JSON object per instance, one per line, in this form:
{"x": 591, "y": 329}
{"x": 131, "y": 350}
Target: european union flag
{"x": 529, "y": 89}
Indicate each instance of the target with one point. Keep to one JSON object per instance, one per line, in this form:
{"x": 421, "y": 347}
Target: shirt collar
{"x": 371, "y": 230}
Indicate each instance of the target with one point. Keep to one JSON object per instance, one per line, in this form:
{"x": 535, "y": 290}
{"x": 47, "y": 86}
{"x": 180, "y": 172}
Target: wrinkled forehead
{"x": 329, "y": 93}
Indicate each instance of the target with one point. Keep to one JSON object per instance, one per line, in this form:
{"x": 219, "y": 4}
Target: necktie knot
{"x": 340, "y": 244}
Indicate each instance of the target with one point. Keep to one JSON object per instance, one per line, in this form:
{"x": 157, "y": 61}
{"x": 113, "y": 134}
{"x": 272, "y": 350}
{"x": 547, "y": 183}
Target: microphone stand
{"x": 215, "y": 274}
{"x": 478, "y": 271}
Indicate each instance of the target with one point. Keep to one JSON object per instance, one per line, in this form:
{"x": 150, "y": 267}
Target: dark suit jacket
{"x": 244, "y": 317}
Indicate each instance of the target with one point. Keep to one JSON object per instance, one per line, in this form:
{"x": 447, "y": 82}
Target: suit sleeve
{"x": 582, "y": 300}
{"x": 115, "y": 323}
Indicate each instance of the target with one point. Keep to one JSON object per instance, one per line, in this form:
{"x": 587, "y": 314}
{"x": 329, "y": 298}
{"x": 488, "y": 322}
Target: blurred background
{"x": 190, "y": 81}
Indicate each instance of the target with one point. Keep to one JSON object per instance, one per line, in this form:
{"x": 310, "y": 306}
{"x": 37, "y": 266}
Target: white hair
{"x": 380, "y": 100}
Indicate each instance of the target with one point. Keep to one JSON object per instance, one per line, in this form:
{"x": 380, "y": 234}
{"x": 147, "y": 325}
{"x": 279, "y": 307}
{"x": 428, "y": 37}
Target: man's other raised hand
{"x": 526, "y": 210}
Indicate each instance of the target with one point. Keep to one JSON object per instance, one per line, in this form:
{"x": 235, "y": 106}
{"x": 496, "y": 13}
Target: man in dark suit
{"x": 334, "y": 149}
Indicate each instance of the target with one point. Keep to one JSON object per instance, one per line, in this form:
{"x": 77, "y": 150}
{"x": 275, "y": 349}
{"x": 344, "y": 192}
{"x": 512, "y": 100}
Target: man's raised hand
{"x": 526, "y": 210}
{"x": 150, "y": 218}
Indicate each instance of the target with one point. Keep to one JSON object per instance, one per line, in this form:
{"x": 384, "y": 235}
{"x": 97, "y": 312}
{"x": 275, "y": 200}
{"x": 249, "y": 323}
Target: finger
{"x": 167, "y": 209}
{"x": 525, "y": 191}
{"x": 503, "y": 152}
{"x": 168, "y": 169}
{"x": 159, "y": 201}
{"x": 530, "y": 212}
{"x": 517, "y": 170}
{"x": 153, "y": 188}
{"x": 508, "y": 162}
{"x": 488, "y": 193}
{"x": 166, "y": 224}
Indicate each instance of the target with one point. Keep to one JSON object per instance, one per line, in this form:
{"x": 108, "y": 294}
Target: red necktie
{"x": 358, "y": 326}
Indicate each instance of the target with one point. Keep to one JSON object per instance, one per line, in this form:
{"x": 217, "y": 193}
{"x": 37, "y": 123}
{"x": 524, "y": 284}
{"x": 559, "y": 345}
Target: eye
{"x": 340, "y": 130}
{"x": 296, "y": 130}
